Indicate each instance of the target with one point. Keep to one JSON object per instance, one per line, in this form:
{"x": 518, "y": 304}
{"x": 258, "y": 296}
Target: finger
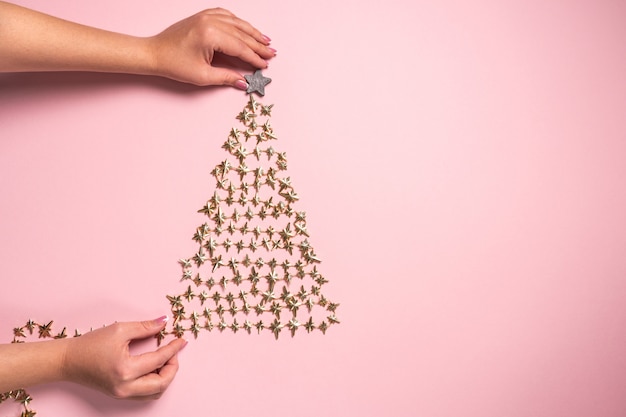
{"x": 224, "y": 76}
{"x": 148, "y": 362}
{"x": 168, "y": 371}
{"x": 142, "y": 329}
{"x": 261, "y": 49}
{"x": 237, "y": 48}
{"x": 154, "y": 384}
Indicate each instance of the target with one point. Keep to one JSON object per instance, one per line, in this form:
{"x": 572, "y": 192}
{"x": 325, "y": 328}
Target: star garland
{"x": 254, "y": 261}
{"x": 254, "y": 268}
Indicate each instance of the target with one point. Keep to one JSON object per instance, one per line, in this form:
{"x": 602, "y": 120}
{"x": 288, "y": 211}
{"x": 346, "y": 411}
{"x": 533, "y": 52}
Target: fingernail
{"x": 272, "y": 49}
{"x": 161, "y": 320}
{"x": 266, "y": 38}
{"x": 241, "y": 84}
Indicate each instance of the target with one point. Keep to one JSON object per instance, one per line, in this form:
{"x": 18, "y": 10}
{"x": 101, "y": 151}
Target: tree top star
{"x": 257, "y": 83}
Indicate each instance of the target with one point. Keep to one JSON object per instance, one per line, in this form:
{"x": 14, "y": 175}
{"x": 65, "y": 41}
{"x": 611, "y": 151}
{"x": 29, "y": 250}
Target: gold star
{"x": 234, "y": 133}
{"x": 252, "y": 104}
{"x": 266, "y": 110}
{"x": 245, "y": 115}
{"x": 195, "y": 329}
{"x": 332, "y": 307}
{"x": 217, "y": 262}
{"x": 290, "y": 196}
{"x": 159, "y": 336}
{"x": 219, "y": 217}
{"x": 197, "y": 280}
{"x": 275, "y": 309}
{"x": 222, "y": 325}
{"x": 268, "y": 296}
{"x": 234, "y": 326}
{"x": 199, "y": 257}
{"x": 179, "y": 330}
{"x": 208, "y": 325}
{"x": 301, "y": 229}
{"x": 210, "y": 245}
{"x": 293, "y": 304}
{"x": 242, "y": 169}
{"x": 309, "y": 304}
{"x": 309, "y": 326}
{"x": 272, "y": 277}
{"x": 189, "y": 294}
{"x": 45, "y": 330}
{"x": 276, "y": 327}
{"x": 178, "y": 314}
{"x": 216, "y": 297}
{"x": 247, "y": 326}
{"x": 258, "y": 309}
{"x": 175, "y": 301}
{"x": 230, "y": 145}
{"x": 254, "y": 276}
{"x": 30, "y": 325}
{"x": 186, "y": 275}
{"x": 223, "y": 282}
{"x": 210, "y": 283}
{"x": 293, "y": 326}
{"x": 259, "y": 326}
{"x": 323, "y": 326}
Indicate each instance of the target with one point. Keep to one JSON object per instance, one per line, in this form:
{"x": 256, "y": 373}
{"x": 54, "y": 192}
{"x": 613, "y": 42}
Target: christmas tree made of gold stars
{"x": 254, "y": 268}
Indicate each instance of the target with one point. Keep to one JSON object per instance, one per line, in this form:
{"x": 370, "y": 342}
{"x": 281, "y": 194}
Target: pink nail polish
{"x": 241, "y": 84}
{"x": 272, "y": 49}
{"x": 266, "y": 38}
{"x": 161, "y": 320}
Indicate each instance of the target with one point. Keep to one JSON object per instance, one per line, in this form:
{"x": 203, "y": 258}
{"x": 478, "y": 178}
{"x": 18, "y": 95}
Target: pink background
{"x": 462, "y": 168}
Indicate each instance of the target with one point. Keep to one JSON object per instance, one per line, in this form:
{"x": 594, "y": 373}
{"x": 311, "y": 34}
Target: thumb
{"x": 224, "y": 76}
{"x": 144, "y": 329}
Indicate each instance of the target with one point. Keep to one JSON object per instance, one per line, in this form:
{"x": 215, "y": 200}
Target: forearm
{"x": 26, "y": 364}
{"x": 33, "y": 41}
